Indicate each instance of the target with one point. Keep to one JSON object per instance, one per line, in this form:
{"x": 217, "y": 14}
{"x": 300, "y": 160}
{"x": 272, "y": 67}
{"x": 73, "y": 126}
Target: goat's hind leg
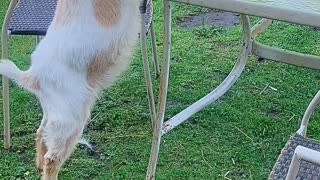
{"x": 60, "y": 139}
{"x": 41, "y": 148}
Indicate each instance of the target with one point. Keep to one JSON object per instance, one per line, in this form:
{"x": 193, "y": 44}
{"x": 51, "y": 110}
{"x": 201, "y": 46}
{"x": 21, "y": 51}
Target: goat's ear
{"x": 108, "y": 12}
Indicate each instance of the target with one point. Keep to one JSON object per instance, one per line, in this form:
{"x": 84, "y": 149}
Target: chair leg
{"x": 6, "y": 112}
{"x": 5, "y": 81}
{"x": 147, "y": 75}
{"x": 163, "y": 93}
{"x": 154, "y": 51}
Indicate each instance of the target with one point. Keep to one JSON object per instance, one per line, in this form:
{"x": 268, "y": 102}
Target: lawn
{"x": 238, "y": 137}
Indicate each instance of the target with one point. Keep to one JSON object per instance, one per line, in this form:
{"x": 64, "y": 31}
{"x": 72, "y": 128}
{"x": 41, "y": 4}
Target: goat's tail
{"x": 22, "y": 78}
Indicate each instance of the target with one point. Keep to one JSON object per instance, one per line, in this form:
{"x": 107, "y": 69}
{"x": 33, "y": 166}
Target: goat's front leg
{"x": 60, "y": 138}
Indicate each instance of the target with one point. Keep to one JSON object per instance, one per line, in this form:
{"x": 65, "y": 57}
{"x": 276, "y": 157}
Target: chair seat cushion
{"x": 33, "y": 17}
{"x": 307, "y": 171}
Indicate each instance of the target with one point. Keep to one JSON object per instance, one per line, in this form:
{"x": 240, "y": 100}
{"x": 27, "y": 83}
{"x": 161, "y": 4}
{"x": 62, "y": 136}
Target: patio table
{"x": 304, "y": 12}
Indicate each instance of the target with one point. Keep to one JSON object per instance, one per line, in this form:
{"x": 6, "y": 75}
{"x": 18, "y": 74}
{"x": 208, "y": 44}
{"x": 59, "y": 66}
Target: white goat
{"x": 87, "y": 45}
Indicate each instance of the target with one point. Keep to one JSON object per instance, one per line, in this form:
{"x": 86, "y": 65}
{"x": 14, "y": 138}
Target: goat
{"x": 87, "y": 46}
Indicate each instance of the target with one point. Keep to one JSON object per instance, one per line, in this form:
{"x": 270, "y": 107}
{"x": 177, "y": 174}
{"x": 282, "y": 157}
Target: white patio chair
{"x": 300, "y": 158}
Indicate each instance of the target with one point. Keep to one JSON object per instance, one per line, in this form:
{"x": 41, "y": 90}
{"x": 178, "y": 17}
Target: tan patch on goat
{"x": 58, "y": 154}
{"x": 31, "y": 83}
{"x": 65, "y": 12}
{"x": 98, "y": 69}
{"x": 41, "y": 150}
{"x": 107, "y": 12}
{"x": 51, "y": 169}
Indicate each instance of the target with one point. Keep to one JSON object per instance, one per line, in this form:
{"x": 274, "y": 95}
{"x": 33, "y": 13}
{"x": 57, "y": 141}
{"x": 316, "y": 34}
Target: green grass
{"x": 210, "y": 144}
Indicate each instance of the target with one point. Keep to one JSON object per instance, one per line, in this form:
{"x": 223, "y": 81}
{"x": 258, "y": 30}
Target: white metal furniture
{"x": 303, "y": 153}
{"x": 305, "y": 12}
{"x": 300, "y": 157}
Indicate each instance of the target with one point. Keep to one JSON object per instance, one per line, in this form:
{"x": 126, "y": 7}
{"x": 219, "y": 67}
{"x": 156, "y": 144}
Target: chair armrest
{"x": 302, "y": 153}
{"x": 312, "y": 106}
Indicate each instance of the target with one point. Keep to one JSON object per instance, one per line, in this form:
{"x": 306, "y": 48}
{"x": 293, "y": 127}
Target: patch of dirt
{"x": 213, "y": 17}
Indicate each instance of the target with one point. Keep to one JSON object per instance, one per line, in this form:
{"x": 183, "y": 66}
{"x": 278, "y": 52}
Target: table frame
{"x": 249, "y": 46}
